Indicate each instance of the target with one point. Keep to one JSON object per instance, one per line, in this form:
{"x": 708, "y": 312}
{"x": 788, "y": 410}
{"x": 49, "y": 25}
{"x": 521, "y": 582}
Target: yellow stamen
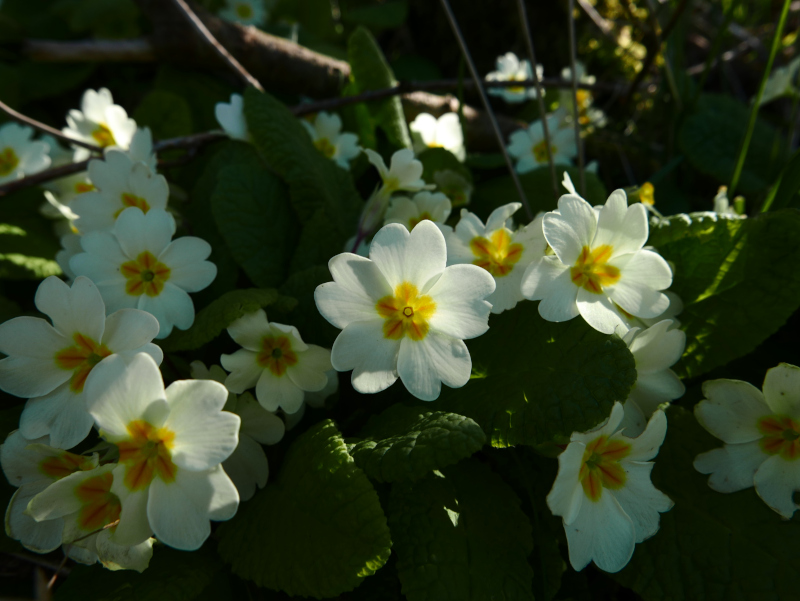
{"x": 406, "y": 313}
{"x": 129, "y": 200}
{"x": 145, "y": 275}
{"x": 781, "y": 436}
{"x": 147, "y": 455}
{"x": 82, "y": 187}
{"x": 412, "y": 223}
{"x": 325, "y": 147}
{"x": 601, "y": 466}
{"x": 244, "y": 11}
{"x": 540, "y": 151}
{"x": 103, "y": 136}
{"x": 276, "y": 354}
{"x": 81, "y": 359}
{"x": 592, "y": 271}
{"x": 8, "y": 161}
{"x": 497, "y": 255}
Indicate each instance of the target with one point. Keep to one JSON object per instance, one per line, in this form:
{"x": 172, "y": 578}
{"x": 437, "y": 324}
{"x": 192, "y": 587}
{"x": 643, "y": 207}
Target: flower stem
{"x": 575, "y": 116}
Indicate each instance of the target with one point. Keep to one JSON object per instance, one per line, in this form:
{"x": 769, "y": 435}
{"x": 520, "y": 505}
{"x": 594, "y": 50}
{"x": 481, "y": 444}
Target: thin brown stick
{"x": 201, "y": 28}
{"x": 575, "y": 109}
{"x": 60, "y": 567}
{"x": 138, "y": 50}
{"x": 25, "y": 120}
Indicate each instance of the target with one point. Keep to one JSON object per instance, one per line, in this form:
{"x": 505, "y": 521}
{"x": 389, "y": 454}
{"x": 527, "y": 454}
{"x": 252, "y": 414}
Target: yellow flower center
{"x": 8, "y": 161}
{"x": 81, "y": 359}
{"x": 325, "y": 147}
{"x": 103, "y": 136}
{"x": 145, "y": 275}
{"x": 406, "y": 313}
{"x": 276, "y": 354}
{"x": 101, "y": 507}
{"x": 147, "y": 455}
{"x": 592, "y": 271}
{"x": 540, "y": 151}
{"x": 244, "y": 11}
{"x": 517, "y": 77}
{"x": 64, "y": 464}
{"x": 584, "y": 98}
{"x": 497, "y": 255}
{"x": 129, "y": 200}
{"x": 647, "y": 194}
{"x": 412, "y": 223}
{"x": 601, "y": 466}
{"x": 81, "y": 187}
{"x": 781, "y": 436}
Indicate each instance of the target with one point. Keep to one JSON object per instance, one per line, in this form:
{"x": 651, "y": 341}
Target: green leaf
{"x": 710, "y": 139}
{"x": 369, "y": 70}
{"x": 211, "y": 321}
{"x": 317, "y": 530}
{"x": 27, "y": 250}
{"x": 105, "y": 18}
{"x": 437, "y": 159}
{"x": 166, "y": 114}
{"x": 406, "y": 443}
{"x": 45, "y": 80}
{"x": 305, "y": 317}
{"x": 785, "y": 191}
{"x": 253, "y": 214}
{"x": 535, "y": 381}
{"x": 461, "y": 536}
{"x": 172, "y": 576}
{"x": 711, "y": 546}
{"x": 386, "y": 15}
{"x": 738, "y": 280}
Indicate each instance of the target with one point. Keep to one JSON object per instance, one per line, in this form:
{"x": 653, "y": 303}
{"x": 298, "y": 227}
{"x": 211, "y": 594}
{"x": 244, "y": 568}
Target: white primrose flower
{"x": 20, "y": 155}
{"x": 120, "y": 183}
{"x": 51, "y": 364}
{"x": 654, "y": 350}
{"x": 604, "y": 495}
{"x": 722, "y": 206}
{"x": 404, "y": 313}
{"x": 598, "y": 264}
{"x": 444, "y": 132}
{"x": 587, "y": 114}
{"x": 317, "y": 398}
{"x": 499, "y": 249}
{"x": 246, "y": 12}
{"x": 138, "y": 265}
{"x": 60, "y": 192}
{"x": 141, "y": 148}
{"x": 230, "y": 116}
{"x": 761, "y": 432}
{"x": 85, "y": 504}
{"x": 326, "y": 135}
{"x": 276, "y": 361}
{"x": 70, "y": 246}
{"x": 510, "y": 68}
{"x": 100, "y": 122}
{"x": 405, "y": 172}
{"x": 171, "y": 443}
{"x": 529, "y": 146}
{"x": 433, "y": 206}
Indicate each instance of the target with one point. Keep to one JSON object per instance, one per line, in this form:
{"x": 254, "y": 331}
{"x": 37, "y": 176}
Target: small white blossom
{"x": 722, "y": 206}
{"x": 587, "y": 114}
{"x": 230, "y": 116}
{"x": 246, "y": 12}
{"x": 529, "y": 146}
{"x": 433, "y": 206}
{"x": 326, "y": 134}
{"x": 405, "y": 172}
{"x": 99, "y": 122}
{"x": 499, "y": 248}
{"x": 761, "y": 432}
{"x": 444, "y": 132}
{"x": 457, "y": 188}
{"x": 404, "y": 313}
{"x": 20, "y": 155}
{"x": 510, "y": 68}
{"x": 604, "y": 495}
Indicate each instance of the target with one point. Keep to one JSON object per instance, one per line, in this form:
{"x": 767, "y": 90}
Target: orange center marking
{"x": 82, "y": 187}
{"x": 601, "y": 467}
{"x": 276, "y": 354}
{"x": 497, "y": 255}
{"x": 781, "y": 436}
{"x": 100, "y": 506}
{"x": 540, "y": 151}
{"x": 147, "y": 454}
{"x": 592, "y": 271}
{"x": 325, "y": 147}
{"x": 81, "y": 359}
{"x": 412, "y": 223}
{"x": 8, "y": 161}
{"x": 64, "y": 464}
{"x": 129, "y": 200}
{"x": 145, "y": 275}
{"x": 103, "y": 136}
{"x": 406, "y": 313}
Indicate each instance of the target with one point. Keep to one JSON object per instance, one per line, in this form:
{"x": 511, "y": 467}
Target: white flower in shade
{"x": 405, "y": 172}
{"x": 20, "y": 155}
{"x": 138, "y": 265}
{"x": 230, "y": 116}
{"x": 120, "y": 183}
{"x": 317, "y": 399}
{"x": 499, "y": 248}
{"x": 84, "y": 503}
{"x": 604, "y": 495}
{"x": 51, "y": 364}
{"x": 60, "y": 192}
{"x": 100, "y": 122}
{"x": 457, "y": 188}
{"x": 598, "y": 262}
{"x": 32, "y": 466}
{"x": 70, "y": 246}
{"x": 171, "y": 443}
{"x": 326, "y": 134}
{"x": 529, "y": 146}
{"x": 654, "y": 350}
{"x": 675, "y": 308}
{"x": 444, "y": 132}
{"x": 433, "y": 206}
{"x": 141, "y": 148}
{"x": 510, "y": 68}
{"x": 246, "y": 12}
{"x": 276, "y": 361}
{"x": 761, "y": 432}
{"x": 587, "y": 114}
{"x": 403, "y": 313}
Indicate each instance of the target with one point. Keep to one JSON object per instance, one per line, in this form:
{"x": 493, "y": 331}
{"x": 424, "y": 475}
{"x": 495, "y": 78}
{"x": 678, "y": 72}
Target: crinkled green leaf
{"x": 369, "y": 70}
{"x": 535, "y": 380}
{"x": 461, "y": 536}
{"x": 317, "y": 530}
{"x": 166, "y": 114}
{"x": 738, "y": 279}
{"x": 711, "y": 546}
{"x": 211, "y": 321}
{"x": 406, "y": 443}
{"x": 252, "y": 210}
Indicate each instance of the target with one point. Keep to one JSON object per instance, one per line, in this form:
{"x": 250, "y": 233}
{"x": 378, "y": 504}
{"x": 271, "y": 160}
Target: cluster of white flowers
{"x": 20, "y": 154}
{"x": 510, "y": 68}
